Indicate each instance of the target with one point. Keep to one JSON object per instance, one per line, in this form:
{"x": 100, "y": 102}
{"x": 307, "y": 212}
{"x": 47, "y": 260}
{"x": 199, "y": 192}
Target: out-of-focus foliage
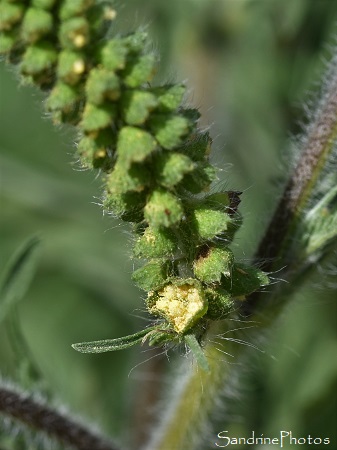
{"x": 251, "y": 66}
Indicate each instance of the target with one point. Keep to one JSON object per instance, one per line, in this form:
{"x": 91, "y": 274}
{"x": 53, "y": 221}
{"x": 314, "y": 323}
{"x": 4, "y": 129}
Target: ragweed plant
{"x": 154, "y": 158}
{"x": 158, "y": 178}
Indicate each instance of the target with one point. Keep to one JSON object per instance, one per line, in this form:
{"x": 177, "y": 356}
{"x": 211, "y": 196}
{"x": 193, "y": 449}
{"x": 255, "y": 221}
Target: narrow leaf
{"x": 109, "y": 345}
{"x": 18, "y": 275}
{"x": 197, "y": 351}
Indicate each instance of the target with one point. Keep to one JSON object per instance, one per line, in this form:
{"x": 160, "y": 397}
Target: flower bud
{"x": 8, "y": 39}
{"x": 136, "y": 42}
{"x": 123, "y": 180}
{"x": 169, "y": 97}
{"x": 169, "y": 129}
{"x": 43, "y": 4}
{"x": 200, "y": 178}
{"x": 113, "y": 54}
{"x": 212, "y": 263}
{"x": 208, "y": 223}
{"x": 128, "y": 206}
{"x": 98, "y": 117}
{"x": 36, "y": 23}
{"x": 163, "y": 209}
{"x": 62, "y": 98}
{"x": 10, "y": 15}
{"x": 102, "y": 85}
{"x": 137, "y": 105}
{"x": 245, "y": 280}
{"x": 74, "y": 33}
{"x": 134, "y": 145}
{"x": 38, "y": 58}
{"x": 97, "y": 149}
{"x": 71, "y": 8}
{"x": 171, "y": 168}
{"x": 220, "y": 303}
{"x": 151, "y": 276}
{"x": 155, "y": 243}
{"x": 198, "y": 146}
{"x": 71, "y": 66}
{"x": 138, "y": 70}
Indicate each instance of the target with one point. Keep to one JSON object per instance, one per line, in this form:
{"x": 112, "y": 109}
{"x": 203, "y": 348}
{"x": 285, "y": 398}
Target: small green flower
{"x": 163, "y": 209}
{"x": 213, "y": 263}
{"x": 151, "y": 276}
{"x": 156, "y": 243}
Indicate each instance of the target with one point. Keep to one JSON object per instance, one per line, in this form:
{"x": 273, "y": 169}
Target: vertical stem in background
{"x": 302, "y": 186}
{"x": 192, "y": 406}
{"x": 147, "y": 394}
{"x": 193, "y": 400}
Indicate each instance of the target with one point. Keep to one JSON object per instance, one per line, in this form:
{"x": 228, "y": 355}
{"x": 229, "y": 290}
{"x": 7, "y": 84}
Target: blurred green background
{"x": 252, "y": 67}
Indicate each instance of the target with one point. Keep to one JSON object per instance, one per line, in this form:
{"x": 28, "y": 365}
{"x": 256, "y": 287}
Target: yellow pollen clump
{"x": 79, "y": 66}
{"x": 181, "y": 305}
{"x": 150, "y": 238}
{"x": 79, "y": 40}
{"x": 100, "y": 153}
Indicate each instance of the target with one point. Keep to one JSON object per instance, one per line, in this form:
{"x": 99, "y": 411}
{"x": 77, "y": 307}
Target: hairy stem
{"x": 192, "y": 403}
{"x": 42, "y": 418}
{"x": 302, "y": 185}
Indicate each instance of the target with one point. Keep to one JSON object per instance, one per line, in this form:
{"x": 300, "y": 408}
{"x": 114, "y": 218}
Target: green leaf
{"x": 110, "y": 345}
{"x": 18, "y": 275}
{"x": 197, "y": 351}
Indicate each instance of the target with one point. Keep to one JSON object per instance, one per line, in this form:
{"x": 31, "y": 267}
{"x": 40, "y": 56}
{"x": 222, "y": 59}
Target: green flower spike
{"x": 157, "y": 173}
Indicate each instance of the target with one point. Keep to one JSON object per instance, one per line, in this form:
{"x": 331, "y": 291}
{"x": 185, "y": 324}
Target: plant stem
{"x": 302, "y": 185}
{"x": 192, "y": 403}
{"x": 42, "y": 418}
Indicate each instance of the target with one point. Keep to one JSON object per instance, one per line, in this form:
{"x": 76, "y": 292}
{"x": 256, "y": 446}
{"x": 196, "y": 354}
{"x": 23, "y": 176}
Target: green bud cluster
{"x": 154, "y": 157}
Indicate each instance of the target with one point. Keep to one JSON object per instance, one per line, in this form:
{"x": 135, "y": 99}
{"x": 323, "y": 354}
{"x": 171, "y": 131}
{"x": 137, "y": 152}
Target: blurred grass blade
{"x": 197, "y": 351}
{"x": 18, "y": 275}
{"x": 109, "y": 345}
